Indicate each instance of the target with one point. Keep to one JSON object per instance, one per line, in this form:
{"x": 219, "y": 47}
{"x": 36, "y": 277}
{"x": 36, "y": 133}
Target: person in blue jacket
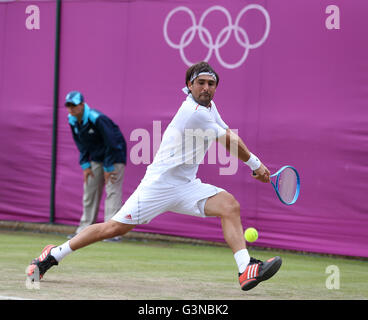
{"x": 102, "y": 157}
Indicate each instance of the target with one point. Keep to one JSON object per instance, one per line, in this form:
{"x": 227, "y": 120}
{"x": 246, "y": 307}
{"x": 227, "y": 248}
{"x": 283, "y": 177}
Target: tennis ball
{"x": 251, "y": 234}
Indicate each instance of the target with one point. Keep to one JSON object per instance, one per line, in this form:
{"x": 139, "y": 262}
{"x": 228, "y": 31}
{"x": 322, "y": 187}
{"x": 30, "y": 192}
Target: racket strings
{"x": 287, "y": 185}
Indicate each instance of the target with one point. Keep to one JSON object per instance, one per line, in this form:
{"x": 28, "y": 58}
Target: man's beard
{"x": 205, "y": 100}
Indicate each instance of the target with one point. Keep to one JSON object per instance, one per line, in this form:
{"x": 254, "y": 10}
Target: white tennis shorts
{"x": 148, "y": 201}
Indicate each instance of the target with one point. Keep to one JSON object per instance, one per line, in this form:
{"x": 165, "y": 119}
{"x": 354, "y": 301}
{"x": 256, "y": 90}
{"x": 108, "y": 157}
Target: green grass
{"x": 162, "y": 270}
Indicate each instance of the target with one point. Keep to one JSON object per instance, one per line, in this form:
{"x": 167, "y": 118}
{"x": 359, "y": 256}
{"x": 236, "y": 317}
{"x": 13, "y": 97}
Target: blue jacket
{"x": 98, "y": 139}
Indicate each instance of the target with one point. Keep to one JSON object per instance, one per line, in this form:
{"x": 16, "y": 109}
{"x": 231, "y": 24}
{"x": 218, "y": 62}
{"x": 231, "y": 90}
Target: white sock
{"x": 242, "y": 259}
{"x": 61, "y": 252}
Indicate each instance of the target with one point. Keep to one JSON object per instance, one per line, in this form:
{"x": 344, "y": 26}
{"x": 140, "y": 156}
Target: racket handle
{"x": 254, "y": 173}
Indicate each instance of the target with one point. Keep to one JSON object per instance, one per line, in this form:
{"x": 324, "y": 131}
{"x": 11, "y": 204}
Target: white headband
{"x": 196, "y": 75}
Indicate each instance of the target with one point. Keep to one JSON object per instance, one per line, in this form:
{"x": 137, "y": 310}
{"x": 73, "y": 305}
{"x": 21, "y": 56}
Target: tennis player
{"x": 170, "y": 183}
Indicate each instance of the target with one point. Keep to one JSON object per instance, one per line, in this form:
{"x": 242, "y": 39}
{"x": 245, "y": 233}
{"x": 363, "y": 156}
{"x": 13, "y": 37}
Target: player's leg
{"x": 51, "y": 255}
{"x": 225, "y": 206}
{"x": 138, "y": 209}
{"x": 98, "y": 232}
{"x": 251, "y": 271}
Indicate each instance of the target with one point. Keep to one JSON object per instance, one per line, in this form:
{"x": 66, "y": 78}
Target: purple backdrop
{"x": 296, "y": 91}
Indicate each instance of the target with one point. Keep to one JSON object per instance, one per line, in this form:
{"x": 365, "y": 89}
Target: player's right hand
{"x": 262, "y": 174}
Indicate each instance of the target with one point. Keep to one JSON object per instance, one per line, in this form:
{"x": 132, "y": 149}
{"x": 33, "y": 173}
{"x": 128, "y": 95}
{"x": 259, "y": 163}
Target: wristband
{"x": 254, "y": 163}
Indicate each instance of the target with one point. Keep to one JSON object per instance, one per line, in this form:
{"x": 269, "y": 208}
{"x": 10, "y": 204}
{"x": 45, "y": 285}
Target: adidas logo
{"x": 90, "y": 131}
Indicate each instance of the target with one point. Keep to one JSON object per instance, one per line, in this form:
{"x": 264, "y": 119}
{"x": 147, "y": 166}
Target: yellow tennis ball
{"x": 251, "y": 234}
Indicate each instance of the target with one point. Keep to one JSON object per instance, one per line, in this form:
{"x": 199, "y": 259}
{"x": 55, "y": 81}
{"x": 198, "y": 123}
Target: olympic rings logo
{"x": 222, "y": 38}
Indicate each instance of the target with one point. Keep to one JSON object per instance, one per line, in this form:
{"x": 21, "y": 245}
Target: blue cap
{"x": 74, "y": 97}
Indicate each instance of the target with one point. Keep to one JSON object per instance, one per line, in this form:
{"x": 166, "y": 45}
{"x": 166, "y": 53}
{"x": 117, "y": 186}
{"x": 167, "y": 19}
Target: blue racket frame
{"x": 276, "y": 184}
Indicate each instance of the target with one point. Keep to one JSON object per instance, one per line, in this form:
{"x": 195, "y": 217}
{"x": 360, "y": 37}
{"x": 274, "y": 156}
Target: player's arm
{"x": 237, "y": 148}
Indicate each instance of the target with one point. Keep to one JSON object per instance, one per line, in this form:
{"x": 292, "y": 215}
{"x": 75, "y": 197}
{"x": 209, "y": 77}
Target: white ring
{"x": 181, "y": 46}
{"x": 188, "y": 35}
{"x": 194, "y": 23}
{"x": 267, "y": 29}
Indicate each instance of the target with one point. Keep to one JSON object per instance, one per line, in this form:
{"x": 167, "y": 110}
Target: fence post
{"x": 55, "y": 112}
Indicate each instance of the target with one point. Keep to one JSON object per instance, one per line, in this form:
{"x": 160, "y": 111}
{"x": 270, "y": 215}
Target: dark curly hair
{"x": 197, "y": 68}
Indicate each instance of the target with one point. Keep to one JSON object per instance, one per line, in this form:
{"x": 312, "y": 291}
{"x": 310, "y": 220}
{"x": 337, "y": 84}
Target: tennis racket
{"x": 286, "y": 183}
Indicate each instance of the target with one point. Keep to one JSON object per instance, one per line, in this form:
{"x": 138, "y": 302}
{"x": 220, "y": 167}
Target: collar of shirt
{"x": 73, "y": 120}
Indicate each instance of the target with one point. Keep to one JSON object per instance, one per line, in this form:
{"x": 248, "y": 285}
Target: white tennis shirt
{"x": 185, "y": 143}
